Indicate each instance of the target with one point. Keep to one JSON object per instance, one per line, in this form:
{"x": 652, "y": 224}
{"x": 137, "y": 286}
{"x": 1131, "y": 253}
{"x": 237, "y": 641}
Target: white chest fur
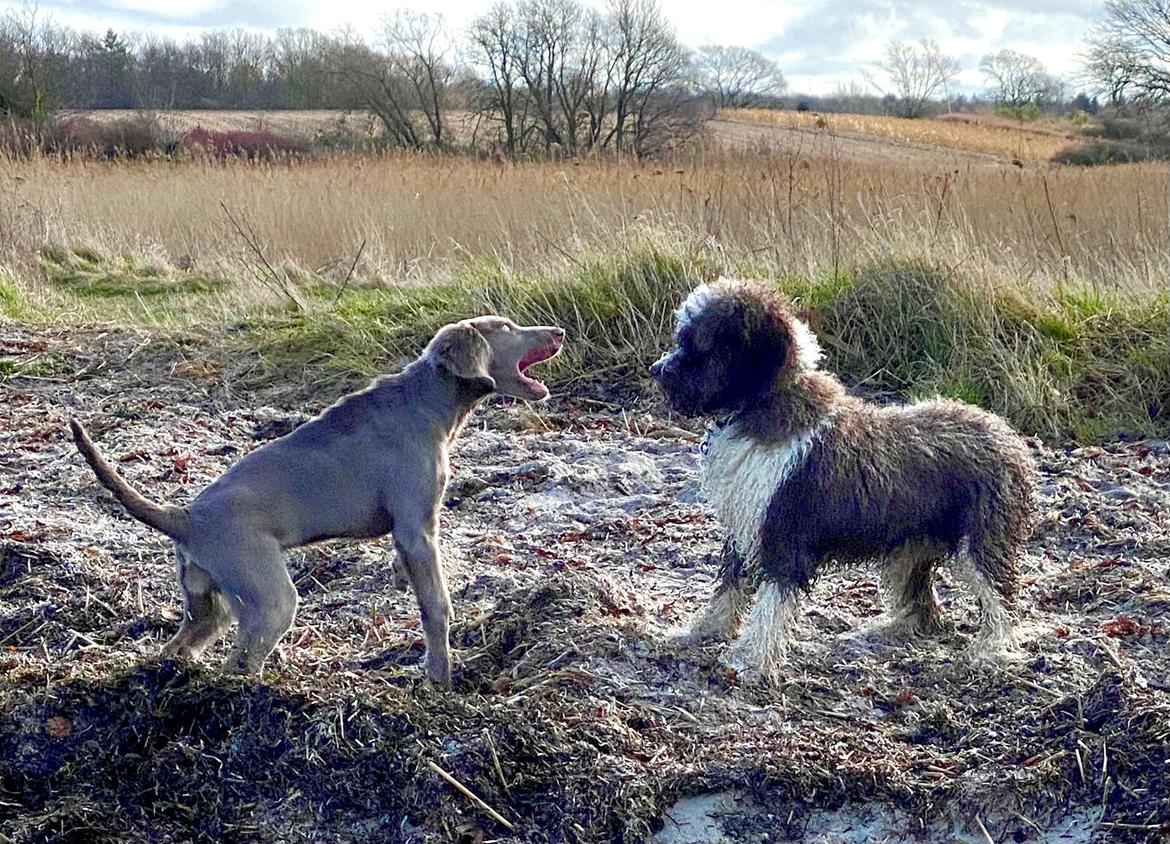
{"x": 741, "y": 476}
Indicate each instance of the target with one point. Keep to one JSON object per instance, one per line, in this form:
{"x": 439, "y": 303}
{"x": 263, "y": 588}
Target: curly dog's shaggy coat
{"x": 801, "y": 473}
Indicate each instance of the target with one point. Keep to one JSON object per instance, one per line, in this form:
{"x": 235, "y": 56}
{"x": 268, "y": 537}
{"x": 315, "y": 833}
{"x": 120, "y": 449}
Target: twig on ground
{"x": 262, "y": 269}
{"x": 496, "y": 763}
{"x": 983, "y": 829}
{"x": 470, "y": 795}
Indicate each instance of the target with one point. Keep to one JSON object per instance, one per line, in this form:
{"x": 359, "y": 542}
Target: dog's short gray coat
{"x": 374, "y": 463}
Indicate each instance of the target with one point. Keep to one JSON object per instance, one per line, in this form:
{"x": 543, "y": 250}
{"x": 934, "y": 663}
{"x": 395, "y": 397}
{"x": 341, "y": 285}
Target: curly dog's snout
{"x": 658, "y": 368}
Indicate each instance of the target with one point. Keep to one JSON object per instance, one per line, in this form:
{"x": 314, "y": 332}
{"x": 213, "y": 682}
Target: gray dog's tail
{"x": 169, "y": 519}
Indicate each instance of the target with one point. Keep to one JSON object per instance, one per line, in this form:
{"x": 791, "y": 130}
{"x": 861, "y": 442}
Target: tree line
{"x": 529, "y": 75}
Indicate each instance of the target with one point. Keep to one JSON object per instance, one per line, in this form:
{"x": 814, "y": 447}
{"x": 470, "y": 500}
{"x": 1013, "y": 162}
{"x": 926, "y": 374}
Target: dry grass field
{"x": 1036, "y": 140}
{"x": 190, "y": 309}
{"x": 990, "y": 135}
{"x": 787, "y": 210}
{"x": 291, "y": 123}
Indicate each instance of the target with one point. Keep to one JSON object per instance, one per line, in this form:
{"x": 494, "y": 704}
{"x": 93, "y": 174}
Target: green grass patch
{"x": 1077, "y": 363}
{"x": 893, "y": 326}
{"x": 617, "y": 309}
{"x": 13, "y": 303}
{"x": 12, "y": 368}
{"x": 85, "y": 272}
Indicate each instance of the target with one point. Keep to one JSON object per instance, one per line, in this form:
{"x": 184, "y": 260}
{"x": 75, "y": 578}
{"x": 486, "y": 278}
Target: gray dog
{"x": 373, "y": 463}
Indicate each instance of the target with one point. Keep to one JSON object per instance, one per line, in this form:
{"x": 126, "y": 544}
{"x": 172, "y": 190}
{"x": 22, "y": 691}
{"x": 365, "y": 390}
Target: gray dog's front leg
{"x": 420, "y": 552}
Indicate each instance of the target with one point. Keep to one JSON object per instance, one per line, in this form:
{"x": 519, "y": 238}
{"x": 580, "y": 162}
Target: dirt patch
{"x": 727, "y": 816}
{"x": 574, "y": 538}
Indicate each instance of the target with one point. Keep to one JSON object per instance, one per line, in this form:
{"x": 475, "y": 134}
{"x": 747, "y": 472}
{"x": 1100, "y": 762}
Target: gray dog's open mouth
{"x": 533, "y": 357}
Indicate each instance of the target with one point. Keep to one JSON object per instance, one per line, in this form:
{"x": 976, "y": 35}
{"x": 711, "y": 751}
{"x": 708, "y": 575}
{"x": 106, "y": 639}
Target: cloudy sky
{"x": 819, "y": 44}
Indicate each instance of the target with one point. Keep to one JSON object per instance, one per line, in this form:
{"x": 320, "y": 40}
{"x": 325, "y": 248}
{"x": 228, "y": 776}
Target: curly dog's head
{"x": 734, "y": 341}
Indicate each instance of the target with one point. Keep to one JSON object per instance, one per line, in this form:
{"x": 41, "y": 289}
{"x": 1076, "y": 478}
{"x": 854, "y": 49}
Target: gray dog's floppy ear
{"x": 463, "y": 352}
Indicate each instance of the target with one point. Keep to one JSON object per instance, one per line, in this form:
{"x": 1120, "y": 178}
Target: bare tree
{"x": 419, "y": 51}
{"x": 248, "y": 67}
{"x": 650, "y": 67}
{"x": 737, "y": 77}
{"x": 547, "y": 29}
{"x": 298, "y": 59}
{"x": 560, "y": 76}
{"x": 405, "y": 87}
{"x": 37, "y": 55}
{"x": 562, "y": 60}
{"x": 374, "y": 84}
{"x": 917, "y": 72}
{"x": 581, "y": 78}
{"x": 598, "y": 64}
{"x": 495, "y": 46}
{"x": 1016, "y": 80}
{"x": 1129, "y": 56}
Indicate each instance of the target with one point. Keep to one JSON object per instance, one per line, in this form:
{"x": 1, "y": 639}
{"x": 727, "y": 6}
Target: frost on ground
{"x": 575, "y": 540}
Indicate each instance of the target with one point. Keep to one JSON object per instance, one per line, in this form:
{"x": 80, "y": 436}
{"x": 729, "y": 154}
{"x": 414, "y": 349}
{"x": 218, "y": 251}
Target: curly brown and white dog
{"x": 801, "y": 474}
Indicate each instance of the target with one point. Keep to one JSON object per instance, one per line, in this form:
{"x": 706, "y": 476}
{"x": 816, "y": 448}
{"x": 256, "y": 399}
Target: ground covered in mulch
{"x": 574, "y": 540}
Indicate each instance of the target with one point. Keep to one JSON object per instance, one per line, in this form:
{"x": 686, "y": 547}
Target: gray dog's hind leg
{"x": 205, "y": 615}
{"x": 401, "y": 573}
{"x": 420, "y": 552}
{"x": 261, "y": 593}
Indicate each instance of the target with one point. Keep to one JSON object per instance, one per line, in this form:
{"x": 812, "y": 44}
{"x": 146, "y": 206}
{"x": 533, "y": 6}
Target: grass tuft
{"x": 894, "y": 324}
{"x": 1075, "y": 363}
{"x": 12, "y": 301}
{"x": 617, "y": 308}
{"x": 86, "y": 272}
{"x": 1072, "y": 363}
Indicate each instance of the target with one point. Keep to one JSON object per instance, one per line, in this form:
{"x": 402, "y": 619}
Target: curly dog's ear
{"x": 462, "y": 352}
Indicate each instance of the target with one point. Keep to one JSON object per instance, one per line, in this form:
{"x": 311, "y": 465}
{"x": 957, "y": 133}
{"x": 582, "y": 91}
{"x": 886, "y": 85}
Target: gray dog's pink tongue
{"x": 538, "y": 355}
{"x": 538, "y": 390}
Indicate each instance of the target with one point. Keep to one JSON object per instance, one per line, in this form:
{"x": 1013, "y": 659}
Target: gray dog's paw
{"x": 438, "y": 668}
{"x": 442, "y": 680}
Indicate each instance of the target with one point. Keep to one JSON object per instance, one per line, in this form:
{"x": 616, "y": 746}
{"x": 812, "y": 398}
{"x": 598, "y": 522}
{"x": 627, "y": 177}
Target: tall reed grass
{"x": 1037, "y": 292}
{"x": 421, "y": 216}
